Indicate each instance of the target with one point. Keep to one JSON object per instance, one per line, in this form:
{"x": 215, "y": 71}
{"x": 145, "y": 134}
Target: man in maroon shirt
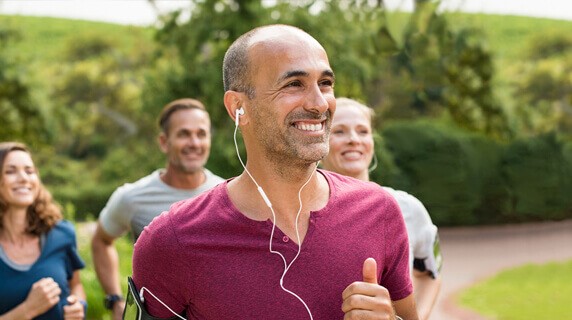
{"x": 282, "y": 240}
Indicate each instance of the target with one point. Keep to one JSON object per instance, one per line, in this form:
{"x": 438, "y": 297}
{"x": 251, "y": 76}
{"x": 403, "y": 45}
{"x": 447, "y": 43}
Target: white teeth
{"x": 309, "y": 127}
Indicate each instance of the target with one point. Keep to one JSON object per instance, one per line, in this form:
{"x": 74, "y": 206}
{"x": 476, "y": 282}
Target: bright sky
{"x": 140, "y": 12}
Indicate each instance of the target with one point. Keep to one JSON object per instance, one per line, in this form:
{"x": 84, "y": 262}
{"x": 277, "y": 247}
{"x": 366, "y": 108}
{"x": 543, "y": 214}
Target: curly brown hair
{"x": 44, "y": 213}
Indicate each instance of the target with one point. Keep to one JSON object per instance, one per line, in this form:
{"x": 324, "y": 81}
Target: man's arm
{"x": 106, "y": 261}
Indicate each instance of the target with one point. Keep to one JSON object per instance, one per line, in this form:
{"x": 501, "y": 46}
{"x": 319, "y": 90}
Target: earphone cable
{"x": 269, "y": 204}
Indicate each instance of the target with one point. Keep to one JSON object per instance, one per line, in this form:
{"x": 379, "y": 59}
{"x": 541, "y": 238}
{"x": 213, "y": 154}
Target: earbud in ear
{"x": 239, "y": 112}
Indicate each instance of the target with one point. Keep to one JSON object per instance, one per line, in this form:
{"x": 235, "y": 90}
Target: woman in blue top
{"x": 39, "y": 263}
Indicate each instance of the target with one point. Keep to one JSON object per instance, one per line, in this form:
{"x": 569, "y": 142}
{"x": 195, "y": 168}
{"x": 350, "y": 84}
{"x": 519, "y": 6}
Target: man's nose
{"x": 317, "y": 101}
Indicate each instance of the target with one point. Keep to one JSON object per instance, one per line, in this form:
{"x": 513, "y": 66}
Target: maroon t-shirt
{"x": 207, "y": 258}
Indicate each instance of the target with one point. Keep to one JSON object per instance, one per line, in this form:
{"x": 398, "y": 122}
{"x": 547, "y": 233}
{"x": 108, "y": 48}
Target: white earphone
{"x": 239, "y": 112}
{"x": 287, "y": 266}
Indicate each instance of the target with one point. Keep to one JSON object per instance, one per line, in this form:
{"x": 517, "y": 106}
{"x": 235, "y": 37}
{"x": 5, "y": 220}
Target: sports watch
{"x": 111, "y": 299}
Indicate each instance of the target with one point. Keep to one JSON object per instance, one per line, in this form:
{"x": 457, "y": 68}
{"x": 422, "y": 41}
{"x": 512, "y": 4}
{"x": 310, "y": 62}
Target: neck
{"x": 183, "y": 180}
{"x": 282, "y": 192}
{"x": 14, "y": 225}
{"x": 364, "y": 176}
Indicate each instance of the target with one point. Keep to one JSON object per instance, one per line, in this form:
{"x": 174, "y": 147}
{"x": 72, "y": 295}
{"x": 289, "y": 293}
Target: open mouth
{"x": 352, "y": 155}
{"x": 312, "y": 127}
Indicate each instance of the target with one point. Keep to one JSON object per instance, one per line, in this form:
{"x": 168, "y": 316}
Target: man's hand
{"x": 367, "y": 299}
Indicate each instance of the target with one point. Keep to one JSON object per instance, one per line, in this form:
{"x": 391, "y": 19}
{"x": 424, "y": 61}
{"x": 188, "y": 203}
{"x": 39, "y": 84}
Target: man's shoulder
{"x": 337, "y": 178}
{"x": 348, "y": 184}
{"x": 202, "y": 203}
{"x": 354, "y": 191}
{"x": 130, "y": 189}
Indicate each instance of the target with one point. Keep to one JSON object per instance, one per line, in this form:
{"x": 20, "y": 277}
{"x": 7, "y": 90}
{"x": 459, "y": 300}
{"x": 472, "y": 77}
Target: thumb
{"x": 370, "y": 271}
{"x": 71, "y": 299}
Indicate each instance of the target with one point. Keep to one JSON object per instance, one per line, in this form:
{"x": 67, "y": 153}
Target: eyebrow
{"x": 301, "y": 73}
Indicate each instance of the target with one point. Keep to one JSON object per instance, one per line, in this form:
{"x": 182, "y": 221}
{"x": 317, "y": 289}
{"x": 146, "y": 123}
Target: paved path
{"x": 476, "y": 253}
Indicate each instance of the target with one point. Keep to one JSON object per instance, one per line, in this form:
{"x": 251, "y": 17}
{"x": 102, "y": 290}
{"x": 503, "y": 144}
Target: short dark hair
{"x": 174, "y": 106}
{"x": 235, "y": 72}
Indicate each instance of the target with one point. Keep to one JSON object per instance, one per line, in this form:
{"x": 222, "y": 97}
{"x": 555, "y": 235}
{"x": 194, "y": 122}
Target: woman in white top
{"x": 351, "y": 152}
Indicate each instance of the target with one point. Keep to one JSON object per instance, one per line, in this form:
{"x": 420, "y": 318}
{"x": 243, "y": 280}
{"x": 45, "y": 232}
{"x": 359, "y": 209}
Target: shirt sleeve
{"x": 159, "y": 268}
{"x": 396, "y": 274}
{"x": 426, "y": 249}
{"x": 115, "y": 216}
{"x": 74, "y": 261}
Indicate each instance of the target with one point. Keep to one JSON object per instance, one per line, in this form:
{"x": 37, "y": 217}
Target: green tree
{"x": 100, "y": 88}
{"x": 543, "y": 88}
{"x": 26, "y": 114}
{"x": 446, "y": 71}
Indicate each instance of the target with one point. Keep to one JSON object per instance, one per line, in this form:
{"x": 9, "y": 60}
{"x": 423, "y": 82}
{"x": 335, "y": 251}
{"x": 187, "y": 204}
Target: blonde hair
{"x": 347, "y": 102}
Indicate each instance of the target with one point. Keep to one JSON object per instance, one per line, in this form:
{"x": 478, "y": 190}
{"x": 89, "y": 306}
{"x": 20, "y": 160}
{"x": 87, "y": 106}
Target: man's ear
{"x": 162, "y": 139}
{"x": 233, "y": 101}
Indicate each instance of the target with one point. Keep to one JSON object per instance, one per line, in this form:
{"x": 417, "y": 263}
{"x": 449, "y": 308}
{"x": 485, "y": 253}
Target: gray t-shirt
{"x": 134, "y": 205}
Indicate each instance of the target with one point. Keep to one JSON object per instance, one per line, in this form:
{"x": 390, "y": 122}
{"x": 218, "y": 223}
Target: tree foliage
{"x": 25, "y": 115}
{"x": 100, "y": 87}
{"x": 543, "y": 86}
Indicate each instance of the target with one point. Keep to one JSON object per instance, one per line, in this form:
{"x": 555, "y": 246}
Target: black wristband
{"x": 111, "y": 299}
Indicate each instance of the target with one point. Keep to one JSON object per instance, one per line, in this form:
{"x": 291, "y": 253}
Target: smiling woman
{"x": 39, "y": 263}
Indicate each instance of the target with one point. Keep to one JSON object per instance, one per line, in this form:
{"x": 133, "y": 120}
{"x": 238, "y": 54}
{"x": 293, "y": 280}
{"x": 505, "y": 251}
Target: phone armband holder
{"x": 134, "y": 308}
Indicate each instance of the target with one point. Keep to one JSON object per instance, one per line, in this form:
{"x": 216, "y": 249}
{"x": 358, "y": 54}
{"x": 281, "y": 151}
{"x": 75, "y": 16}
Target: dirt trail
{"x": 474, "y": 254}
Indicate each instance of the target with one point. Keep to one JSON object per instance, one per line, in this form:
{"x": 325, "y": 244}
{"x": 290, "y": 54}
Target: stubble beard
{"x": 287, "y": 150}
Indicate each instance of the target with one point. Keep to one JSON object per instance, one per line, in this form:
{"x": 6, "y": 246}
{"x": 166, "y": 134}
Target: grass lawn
{"x": 91, "y": 286}
{"x": 527, "y": 292}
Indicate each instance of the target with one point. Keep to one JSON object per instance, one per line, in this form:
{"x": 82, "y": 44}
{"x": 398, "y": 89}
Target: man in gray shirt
{"x": 185, "y": 138}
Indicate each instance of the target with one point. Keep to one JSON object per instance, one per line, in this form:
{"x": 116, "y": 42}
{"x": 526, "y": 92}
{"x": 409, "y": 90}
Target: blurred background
{"x": 473, "y": 98}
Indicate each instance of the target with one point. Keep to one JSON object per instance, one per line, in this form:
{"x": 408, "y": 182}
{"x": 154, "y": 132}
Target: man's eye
{"x": 329, "y": 83}
{"x": 294, "y": 84}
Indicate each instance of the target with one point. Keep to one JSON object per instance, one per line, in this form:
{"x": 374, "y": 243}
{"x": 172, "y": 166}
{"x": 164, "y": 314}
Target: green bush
{"x": 538, "y": 172}
{"x": 465, "y": 178}
{"x": 442, "y": 168}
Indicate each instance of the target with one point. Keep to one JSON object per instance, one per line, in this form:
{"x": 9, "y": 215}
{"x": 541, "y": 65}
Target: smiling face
{"x": 351, "y": 142}
{"x": 290, "y": 113}
{"x": 19, "y": 181}
{"x": 187, "y": 142}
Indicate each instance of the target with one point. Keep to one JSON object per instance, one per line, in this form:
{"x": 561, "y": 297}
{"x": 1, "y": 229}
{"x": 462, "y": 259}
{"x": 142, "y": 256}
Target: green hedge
{"x": 539, "y": 174}
{"x": 465, "y": 178}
